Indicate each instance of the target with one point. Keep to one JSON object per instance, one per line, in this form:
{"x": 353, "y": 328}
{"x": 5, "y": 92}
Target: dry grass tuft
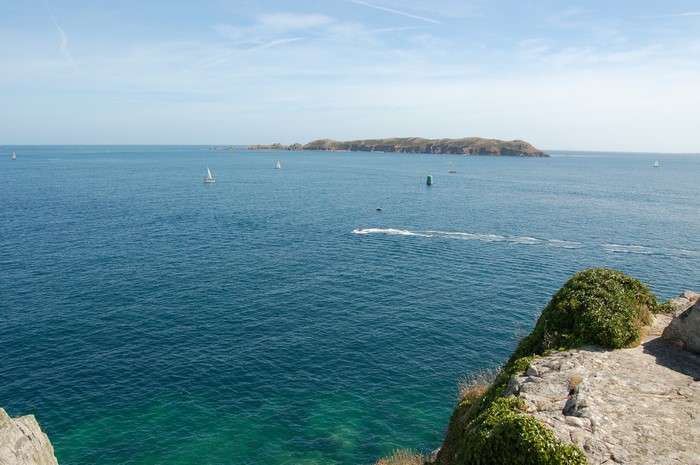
{"x": 474, "y": 385}
{"x": 403, "y": 457}
{"x": 574, "y": 381}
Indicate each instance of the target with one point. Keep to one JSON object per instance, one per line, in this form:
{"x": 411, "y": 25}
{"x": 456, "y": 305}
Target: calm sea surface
{"x": 149, "y": 318}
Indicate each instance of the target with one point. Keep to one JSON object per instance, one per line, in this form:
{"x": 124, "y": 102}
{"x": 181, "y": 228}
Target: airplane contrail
{"x": 391, "y": 10}
{"x": 64, "y": 38}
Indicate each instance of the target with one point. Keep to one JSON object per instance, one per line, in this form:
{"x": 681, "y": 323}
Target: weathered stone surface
{"x": 684, "y": 330}
{"x": 685, "y": 300}
{"x": 23, "y": 443}
{"x": 636, "y": 406}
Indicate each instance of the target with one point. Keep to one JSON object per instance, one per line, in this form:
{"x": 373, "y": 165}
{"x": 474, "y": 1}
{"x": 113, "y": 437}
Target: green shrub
{"x": 597, "y": 306}
{"x": 503, "y": 435}
{"x": 468, "y": 414}
{"x": 666, "y": 307}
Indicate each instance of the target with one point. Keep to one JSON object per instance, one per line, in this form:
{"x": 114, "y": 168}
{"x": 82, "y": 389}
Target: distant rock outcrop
{"x": 23, "y": 443}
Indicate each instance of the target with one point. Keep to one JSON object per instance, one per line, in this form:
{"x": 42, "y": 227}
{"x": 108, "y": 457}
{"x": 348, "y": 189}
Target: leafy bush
{"x": 597, "y": 306}
{"x": 503, "y": 434}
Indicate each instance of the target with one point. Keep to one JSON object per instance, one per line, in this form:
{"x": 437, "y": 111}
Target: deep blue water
{"x": 149, "y": 318}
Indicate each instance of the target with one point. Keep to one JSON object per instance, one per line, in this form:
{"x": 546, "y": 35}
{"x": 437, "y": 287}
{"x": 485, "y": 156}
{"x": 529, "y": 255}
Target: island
{"x": 464, "y": 146}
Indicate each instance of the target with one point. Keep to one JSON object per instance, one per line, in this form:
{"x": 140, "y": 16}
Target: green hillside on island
{"x": 464, "y": 146}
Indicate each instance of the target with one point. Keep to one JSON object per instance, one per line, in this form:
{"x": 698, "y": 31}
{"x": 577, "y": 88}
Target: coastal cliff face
{"x": 22, "y": 442}
{"x": 626, "y": 406}
{"x": 594, "y": 383}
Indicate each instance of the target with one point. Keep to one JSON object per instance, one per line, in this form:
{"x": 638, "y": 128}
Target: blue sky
{"x": 579, "y": 75}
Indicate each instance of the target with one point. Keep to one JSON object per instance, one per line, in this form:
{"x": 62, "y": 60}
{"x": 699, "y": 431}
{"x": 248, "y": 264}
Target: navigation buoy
{"x": 429, "y": 181}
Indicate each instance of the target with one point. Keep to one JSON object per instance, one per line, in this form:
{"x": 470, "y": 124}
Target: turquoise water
{"x": 149, "y": 318}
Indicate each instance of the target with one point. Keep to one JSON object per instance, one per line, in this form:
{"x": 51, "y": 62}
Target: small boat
{"x": 379, "y": 209}
{"x": 14, "y": 157}
{"x": 278, "y": 166}
{"x": 656, "y": 164}
{"x": 452, "y": 170}
{"x": 209, "y": 179}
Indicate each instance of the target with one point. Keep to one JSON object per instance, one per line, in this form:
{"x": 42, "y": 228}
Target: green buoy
{"x": 429, "y": 181}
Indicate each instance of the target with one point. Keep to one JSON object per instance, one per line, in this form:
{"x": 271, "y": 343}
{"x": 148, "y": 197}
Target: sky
{"x": 609, "y": 75}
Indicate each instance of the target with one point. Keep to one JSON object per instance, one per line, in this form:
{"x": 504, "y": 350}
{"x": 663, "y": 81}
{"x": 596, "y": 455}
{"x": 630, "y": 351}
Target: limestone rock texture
{"x": 636, "y": 406}
{"x": 22, "y": 442}
{"x": 684, "y": 329}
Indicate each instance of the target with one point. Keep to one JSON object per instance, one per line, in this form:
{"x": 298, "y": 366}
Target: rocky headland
{"x": 608, "y": 376}
{"x": 626, "y": 406}
{"x": 464, "y": 146}
{"x": 22, "y": 442}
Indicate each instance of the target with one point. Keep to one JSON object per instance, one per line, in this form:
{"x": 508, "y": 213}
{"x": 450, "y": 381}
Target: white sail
{"x": 278, "y": 167}
{"x": 209, "y": 179}
{"x": 14, "y": 157}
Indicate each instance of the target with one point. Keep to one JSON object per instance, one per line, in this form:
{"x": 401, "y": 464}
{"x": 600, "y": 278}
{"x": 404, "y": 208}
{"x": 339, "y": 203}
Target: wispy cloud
{"x": 290, "y": 21}
{"x": 674, "y": 15}
{"x": 62, "y": 35}
{"x": 398, "y": 12}
{"x": 229, "y": 55}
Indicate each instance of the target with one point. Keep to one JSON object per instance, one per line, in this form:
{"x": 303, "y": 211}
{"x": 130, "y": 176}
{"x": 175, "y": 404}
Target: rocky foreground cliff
{"x": 23, "y": 443}
{"x": 594, "y": 383}
{"x": 628, "y": 406}
{"x": 464, "y": 146}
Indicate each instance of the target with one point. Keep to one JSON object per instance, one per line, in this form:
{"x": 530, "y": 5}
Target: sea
{"x": 276, "y": 316}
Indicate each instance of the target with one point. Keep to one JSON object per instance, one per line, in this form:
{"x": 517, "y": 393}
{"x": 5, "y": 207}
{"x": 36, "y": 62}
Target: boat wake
{"x": 564, "y": 244}
{"x": 638, "y": 249}
{"x": 390, "y": 231}
{"x": 527, "y": 240}
{"x": 465, "y": 236}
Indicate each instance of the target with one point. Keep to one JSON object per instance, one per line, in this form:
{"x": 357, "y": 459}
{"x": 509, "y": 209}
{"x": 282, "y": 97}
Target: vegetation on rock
{"x": 505, "y": 434}
{"x": 403, "y": 457}
{"x": 597, "y": 307}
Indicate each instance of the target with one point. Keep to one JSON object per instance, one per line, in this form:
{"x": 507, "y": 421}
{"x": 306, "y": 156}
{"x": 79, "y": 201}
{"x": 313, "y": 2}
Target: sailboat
{"x": 209, "y": 179}
{"x": 14, "y": 157}
{"x": 451, "y": 170}
{"x": 656, "y": 164}
{"x": 278, "y": 166}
